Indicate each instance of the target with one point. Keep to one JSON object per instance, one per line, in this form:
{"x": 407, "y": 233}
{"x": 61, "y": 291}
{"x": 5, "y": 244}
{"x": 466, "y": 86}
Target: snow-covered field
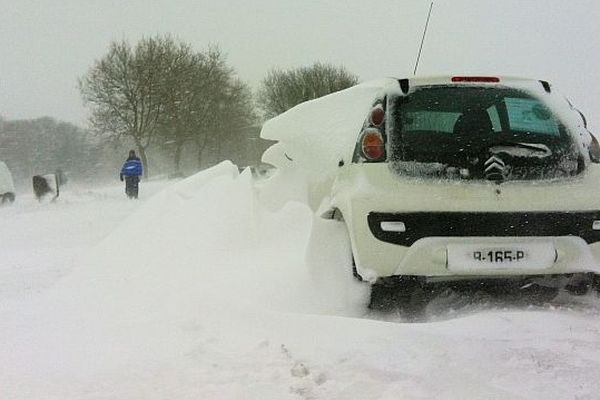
{"x": 198, "y": 291}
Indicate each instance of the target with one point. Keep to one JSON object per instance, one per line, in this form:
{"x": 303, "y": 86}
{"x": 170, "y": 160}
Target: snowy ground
{"x": 197, "y": 291}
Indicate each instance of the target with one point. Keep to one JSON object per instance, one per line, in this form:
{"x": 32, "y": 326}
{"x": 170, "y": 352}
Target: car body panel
{"x": 365, "y": 188}
{"x": 362, "y": 189}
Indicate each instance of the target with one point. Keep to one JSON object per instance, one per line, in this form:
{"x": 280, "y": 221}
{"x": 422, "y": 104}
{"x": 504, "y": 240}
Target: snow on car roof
{"x": 529, "y": 84}
{"x": 327, "y": 121}
{"x": 314, "y": 137}
{"x": 446, "y": 79}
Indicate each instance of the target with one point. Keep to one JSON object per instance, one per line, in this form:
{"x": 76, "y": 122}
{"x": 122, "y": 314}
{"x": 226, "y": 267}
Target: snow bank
{"x": 209, "y": 240}
{"x": 201, "y": 292}
{"x": 314, "y": 137}
{"x": 201, "y": 270}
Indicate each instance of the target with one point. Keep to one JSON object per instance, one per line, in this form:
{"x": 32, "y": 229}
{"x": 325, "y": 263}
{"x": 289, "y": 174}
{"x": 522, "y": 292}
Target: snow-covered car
{"x": 471, "y": 179}
{"x": 7, "y": 187}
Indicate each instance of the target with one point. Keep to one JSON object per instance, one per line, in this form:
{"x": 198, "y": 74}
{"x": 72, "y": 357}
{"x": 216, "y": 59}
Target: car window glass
{"x": 438, "y": 121}
{"x": 450, "y": 131}
{"x": 494, "y": 118}
{"x": 529, "y": 115}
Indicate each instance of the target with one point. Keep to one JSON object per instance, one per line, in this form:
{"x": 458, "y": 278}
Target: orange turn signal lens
{"x": 372, "y": 144}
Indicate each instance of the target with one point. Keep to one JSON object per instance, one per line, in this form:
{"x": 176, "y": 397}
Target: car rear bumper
{"x": 444, "y": 244}
{"x": 419, "y": 225}
{"x": 433, "y": 257}
{"x": 401, "y": 226}
{"x": 437, "y": 257}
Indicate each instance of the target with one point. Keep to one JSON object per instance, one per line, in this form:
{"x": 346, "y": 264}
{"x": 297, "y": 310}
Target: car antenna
{"x": 423, "y": 38}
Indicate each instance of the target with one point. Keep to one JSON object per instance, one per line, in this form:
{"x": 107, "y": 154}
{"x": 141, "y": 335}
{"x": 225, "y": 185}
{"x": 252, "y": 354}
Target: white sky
{"x": 46, "y": 45}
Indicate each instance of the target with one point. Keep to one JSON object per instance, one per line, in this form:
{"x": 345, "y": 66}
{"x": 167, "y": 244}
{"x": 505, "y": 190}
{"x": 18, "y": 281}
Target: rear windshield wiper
{"x": 521, "y": 149}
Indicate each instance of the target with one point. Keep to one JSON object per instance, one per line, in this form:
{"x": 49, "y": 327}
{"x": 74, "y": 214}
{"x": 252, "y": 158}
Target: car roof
{"x": 405, "y": 84}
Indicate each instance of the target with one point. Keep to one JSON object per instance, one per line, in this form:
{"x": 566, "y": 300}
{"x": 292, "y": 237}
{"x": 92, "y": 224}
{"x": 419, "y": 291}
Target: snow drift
{"x": 313, "y": 138}
{"x": 201, "y": 292}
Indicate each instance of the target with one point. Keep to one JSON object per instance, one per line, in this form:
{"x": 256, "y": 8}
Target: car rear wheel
{"x": 581, "y": 284}
{"x": 403, "y": 294}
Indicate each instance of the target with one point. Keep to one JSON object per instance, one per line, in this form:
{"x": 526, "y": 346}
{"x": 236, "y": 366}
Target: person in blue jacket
{"x": 131, "y": 172}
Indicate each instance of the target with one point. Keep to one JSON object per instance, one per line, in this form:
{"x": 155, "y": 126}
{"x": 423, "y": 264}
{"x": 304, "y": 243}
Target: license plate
{"x": 474, "y": 257}
{"x": 500, "y": 256}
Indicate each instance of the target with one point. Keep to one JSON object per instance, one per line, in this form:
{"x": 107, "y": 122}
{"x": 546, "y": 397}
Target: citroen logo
{"x": 495, "y": 169}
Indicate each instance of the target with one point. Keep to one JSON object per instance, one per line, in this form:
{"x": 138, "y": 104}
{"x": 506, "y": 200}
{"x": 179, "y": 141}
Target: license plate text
{"x": 499, "y": 256}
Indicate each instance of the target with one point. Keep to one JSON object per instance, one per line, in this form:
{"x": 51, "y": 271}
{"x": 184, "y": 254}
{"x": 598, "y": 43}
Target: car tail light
{"x": 594, "y": 149}
{"x": 372, "y": 145}
{"x": 376, "y": 115}
{"x": 488, "y": 79}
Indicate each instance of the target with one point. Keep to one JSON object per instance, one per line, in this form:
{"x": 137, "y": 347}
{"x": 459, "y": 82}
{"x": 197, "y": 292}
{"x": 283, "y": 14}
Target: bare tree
{"x": 162, "y": 93}
{"x": 206, "y": 107}
{"x": 238, "y": 114}
{"x": 125, "y": 89}
{"x": 194, "y": 91}
{"x": 281, "y": 90}
{"x": 179, "y": 98}
{"x": 43, "y": 145}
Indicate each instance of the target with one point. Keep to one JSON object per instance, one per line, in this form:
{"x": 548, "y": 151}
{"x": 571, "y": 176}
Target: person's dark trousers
{"x": 132, "y": 186}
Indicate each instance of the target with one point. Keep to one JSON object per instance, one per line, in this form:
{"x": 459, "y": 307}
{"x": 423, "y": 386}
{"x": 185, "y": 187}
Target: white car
{"x": 7, "y": 186}
{"x": 471, "y": 179}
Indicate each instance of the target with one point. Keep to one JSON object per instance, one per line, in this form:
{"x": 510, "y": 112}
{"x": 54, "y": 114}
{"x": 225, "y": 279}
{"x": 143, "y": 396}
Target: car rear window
{"x": 530, "y": 115}
{"x": 452, "y": 131}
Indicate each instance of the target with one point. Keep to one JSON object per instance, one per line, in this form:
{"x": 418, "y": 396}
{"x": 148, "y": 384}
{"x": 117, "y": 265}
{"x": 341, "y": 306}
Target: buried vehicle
{"x": 7, "y": 186}
{"x": 471, "y": 180}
